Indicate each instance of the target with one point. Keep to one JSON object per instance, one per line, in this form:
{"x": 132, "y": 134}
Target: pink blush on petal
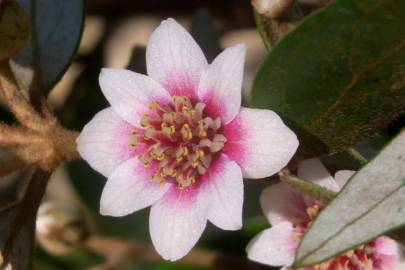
{"x": 386, "y": 254}
{"x": 235, "y": 133}
{"x": 182, "y": 85}
{"x": 123, "y": 135}
{"x": 215, "y": 106}
{"x": 180, "y": 199}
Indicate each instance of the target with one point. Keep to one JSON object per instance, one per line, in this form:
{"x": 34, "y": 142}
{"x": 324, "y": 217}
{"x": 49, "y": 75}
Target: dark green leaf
{"x": 339, "y": 76}
{"x": 56, "y": 27}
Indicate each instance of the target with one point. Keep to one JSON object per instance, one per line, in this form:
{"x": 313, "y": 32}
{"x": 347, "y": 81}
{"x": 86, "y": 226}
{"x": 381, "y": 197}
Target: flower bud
{"x": 60, "y": 228}
{"x": 14, "y": 29}
{"x": 272, "y": 8}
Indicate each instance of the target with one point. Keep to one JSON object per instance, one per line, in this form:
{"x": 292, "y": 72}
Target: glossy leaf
{"x": 56, "y": 28}
{"x": 339, "y": 76}
{"x": 371, "y": 204}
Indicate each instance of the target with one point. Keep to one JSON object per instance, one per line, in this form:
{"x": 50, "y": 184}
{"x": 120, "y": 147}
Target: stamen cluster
{"x": 181, "y": 140}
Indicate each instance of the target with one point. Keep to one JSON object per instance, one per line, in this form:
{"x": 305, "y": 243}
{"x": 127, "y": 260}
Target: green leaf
{"x": 14, "y": 29}
{"x": 56, "y": 28}
{"x": 371, "y": 204}
{"x": 339, "y": 76}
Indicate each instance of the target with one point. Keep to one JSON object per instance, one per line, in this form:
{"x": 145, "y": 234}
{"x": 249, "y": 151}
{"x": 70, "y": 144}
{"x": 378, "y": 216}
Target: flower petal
{"x": 105, "y": 142}
{"x": 130, "y": 93}
{"x": 130, "y": 188}
{"x": 224, "y": 183}
{"x": 387, "y": 254}
{"x": 259, "y": 142}
{"x": 275, "y": 246}
{"x": 386, "y": 246}
{"x": 220, "y": 86}
{"x": 174, "y": 59}
{"x": 342, "y": 176}
{"x": 281, "y": 203}
{"x": 177, "y": 221}
{"x": 313, "y": 170}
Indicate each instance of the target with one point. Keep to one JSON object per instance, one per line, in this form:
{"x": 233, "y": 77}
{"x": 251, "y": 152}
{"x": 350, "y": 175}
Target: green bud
{"x": 60, "y": 228}
{"x": 14, "y": 29}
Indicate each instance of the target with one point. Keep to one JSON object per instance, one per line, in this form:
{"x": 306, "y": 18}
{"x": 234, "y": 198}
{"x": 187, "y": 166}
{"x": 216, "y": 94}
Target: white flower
{"x": 179, "y": 140}
{"x": 290, "y": 214}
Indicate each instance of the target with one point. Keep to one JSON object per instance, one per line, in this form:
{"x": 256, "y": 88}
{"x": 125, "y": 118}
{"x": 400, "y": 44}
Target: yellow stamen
{"x": 195, "y": 164}
{"x": 201, "y": 153}
{"x": 161, "y": 157}
{"x": 145, "y": 120}
{"x": 133, "y": 139}
{"x": 154, "y": 105}
{"x": 185, "y": 151}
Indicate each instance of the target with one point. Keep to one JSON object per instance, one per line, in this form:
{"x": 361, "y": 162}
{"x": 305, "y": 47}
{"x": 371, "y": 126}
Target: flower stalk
{"x": 16, "y": 101}
{"x": 323, "y": 194}
{"x": 357, "y": 156}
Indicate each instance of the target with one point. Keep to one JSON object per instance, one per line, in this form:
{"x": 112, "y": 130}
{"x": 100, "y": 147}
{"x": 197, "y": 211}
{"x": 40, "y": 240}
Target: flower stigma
{"x": 182, "y": 141}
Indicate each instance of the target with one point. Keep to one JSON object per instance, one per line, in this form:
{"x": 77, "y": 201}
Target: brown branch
{"x": 13, "y": 136}
{"x": 16, "y": 101}
{"x": 19, "y": 158}
{"x": 47, "y": 150}
{"x": 119, "y": 251}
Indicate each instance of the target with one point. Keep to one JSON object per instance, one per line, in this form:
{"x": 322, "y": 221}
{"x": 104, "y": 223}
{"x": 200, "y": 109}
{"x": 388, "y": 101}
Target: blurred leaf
{"x": 371, "y": 204}
{"x": 17, "y": 224}
{"x": 137, "y": 62}
{"x": 255, "y": 225}
{"x": 203, "y": 31}
{"x": 177, "y": 266}
{"x": 339, "y": 76}
{"x": 56, "y": 28}
{"x": 14, "y": 29}
{"x": 78, "y": 260}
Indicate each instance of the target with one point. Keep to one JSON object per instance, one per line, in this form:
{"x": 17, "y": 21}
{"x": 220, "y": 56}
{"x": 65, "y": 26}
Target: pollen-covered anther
{"x": 182, "y": 140}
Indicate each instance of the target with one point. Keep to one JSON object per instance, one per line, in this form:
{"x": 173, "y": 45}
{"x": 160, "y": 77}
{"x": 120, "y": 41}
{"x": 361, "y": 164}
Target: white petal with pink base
{"x": 179, "y": 140}
{"x": 254, "y": 142}
{"x": 105, "y": 144}
{"x": 284, "y": 206}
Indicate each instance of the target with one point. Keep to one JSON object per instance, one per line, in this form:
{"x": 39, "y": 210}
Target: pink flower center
{"x": 181, "y": 140}
{"x": 361, "y": 258}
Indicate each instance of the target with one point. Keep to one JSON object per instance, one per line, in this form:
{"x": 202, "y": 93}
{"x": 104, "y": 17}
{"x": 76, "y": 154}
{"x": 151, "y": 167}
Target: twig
{"x": 16, "y": 102}
{"x": 357, "y": 156}
{"x": 262, "y": 31}
{"x": 12, "y": 136}
{"x": 19, "y": 158}
{"x": 119, "y": 251}
{"x": 306, "y": 187}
